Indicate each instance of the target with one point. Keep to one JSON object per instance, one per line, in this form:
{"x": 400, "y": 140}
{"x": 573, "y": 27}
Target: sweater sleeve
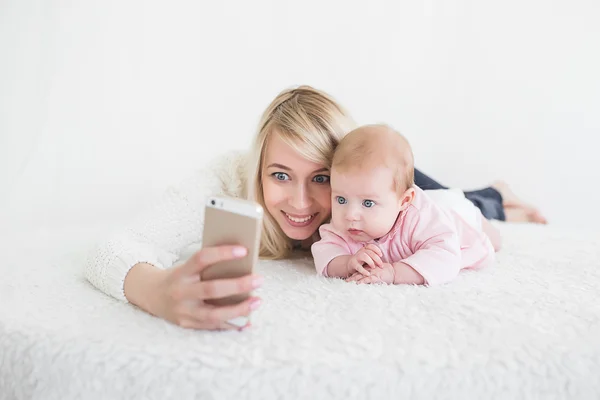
{"x": 160, "y": 233}
{"x": 330, "y": 246}
{"x": 435, "y": 245}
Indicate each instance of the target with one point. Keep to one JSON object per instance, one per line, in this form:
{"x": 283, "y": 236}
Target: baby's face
{"x": 364, "y": 203}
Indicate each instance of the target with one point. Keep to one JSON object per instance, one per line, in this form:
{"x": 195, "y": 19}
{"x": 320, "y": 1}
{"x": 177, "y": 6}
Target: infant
{"x": 384, "y": 229}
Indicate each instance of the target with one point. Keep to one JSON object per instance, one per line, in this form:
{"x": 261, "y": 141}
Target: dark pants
{"x": 488, "y": 200}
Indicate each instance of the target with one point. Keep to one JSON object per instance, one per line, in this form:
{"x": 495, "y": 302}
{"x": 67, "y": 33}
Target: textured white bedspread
{"x": 527, "y": 328}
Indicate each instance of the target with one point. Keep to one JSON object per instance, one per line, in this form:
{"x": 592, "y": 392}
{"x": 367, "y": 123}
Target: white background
{"x": 103, "y": 103}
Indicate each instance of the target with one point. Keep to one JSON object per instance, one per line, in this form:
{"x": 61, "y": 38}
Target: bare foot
{"x": 515, "y": 209}
{"x": 524, "y": 214}
{"x": 509, "y": 198}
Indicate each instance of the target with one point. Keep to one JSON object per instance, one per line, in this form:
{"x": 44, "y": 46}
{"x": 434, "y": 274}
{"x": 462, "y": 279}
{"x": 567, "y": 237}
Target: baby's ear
{"x": 407, "y": 197}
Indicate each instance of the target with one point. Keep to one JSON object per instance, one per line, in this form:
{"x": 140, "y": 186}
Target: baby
{"x": 384, "y": 229}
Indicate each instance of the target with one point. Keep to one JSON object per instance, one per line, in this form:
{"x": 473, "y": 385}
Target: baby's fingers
{"x": 365, "y": 280}
{"x": 354, "y": 277}
{"x": 363, "y": 271}
{"x": 373, "y": 279}
{"x": 359, "y": 268}
{"x": 365, "y": 258}
{"x": 377, "y": 261}
{"x": 374, "y": 249}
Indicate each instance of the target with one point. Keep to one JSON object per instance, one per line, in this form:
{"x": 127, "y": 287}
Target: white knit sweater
{"x": 159, "y": 234}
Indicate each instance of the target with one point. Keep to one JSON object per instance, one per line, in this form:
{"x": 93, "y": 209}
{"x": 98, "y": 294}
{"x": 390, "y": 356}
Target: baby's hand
{"x": 385, "y": 274}
{"x": 370, "y": 255}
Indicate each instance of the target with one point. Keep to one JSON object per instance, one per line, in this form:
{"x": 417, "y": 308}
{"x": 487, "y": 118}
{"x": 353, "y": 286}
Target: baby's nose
{"x": 352, "y": 215}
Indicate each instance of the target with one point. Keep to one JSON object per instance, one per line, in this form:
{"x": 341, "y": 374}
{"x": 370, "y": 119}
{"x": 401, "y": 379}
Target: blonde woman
{"x": 286, "y": 172}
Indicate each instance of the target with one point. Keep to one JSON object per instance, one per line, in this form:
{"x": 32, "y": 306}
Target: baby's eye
{"x": 368, "y": 203}
{"x": 340, "y": 200}
{"x": 321, "y": 179}
{"x": 280, "y": 176}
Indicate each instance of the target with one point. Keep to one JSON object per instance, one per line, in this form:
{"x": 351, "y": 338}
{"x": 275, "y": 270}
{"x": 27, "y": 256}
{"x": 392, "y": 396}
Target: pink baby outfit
{"x": 434, "y": 237}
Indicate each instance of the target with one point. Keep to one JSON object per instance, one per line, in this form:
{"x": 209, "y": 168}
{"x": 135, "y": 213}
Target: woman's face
{"x": 296, "y": 191}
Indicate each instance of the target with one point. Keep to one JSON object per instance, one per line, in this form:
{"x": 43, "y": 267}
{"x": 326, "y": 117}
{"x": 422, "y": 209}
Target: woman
{"x": 286, "y": 173}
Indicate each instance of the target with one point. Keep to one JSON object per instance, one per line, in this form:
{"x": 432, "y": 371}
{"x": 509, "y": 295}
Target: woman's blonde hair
{"x": 312, "y": 123}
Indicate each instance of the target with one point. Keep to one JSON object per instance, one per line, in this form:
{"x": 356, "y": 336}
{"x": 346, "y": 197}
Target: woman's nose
{"x": 301, "y": 198}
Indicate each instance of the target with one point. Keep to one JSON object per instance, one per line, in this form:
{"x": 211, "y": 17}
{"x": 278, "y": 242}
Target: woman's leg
{"x": 425, "y": 182}
{"x": 515, "y": 209}
{"x": 495, "y": 202}
{"x": 488, "y": 200}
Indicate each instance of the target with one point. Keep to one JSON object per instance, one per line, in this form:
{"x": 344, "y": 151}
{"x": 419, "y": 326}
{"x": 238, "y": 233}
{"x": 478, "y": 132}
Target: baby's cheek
{"x": 381, "y": 224}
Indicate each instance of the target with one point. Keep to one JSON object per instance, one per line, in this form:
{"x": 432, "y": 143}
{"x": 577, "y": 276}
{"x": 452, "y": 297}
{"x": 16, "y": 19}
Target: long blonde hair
{"x": 312, "y": 123}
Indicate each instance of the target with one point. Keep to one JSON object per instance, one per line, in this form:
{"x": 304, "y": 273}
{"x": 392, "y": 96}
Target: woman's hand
{"x": 177, "y": 294}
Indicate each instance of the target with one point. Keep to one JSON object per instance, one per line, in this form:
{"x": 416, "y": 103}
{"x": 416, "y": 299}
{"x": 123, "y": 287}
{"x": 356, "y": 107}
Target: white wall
{"x": 104, "y": 103}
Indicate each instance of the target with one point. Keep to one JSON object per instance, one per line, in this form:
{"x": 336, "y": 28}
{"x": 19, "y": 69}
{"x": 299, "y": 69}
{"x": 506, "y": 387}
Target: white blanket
{"x": 527, "y": 328}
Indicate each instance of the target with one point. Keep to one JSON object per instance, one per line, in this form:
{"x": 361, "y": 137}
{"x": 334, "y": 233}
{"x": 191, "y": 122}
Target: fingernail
{"x": 257, "y": 281}
{"x": 255, "y": 304}
{"x": 239, "y": 251}
{"x": 242, "y": 329}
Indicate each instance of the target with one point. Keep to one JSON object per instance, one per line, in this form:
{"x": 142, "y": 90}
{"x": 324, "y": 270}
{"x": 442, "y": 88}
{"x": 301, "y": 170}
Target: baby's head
{"x": 372, "y": 178}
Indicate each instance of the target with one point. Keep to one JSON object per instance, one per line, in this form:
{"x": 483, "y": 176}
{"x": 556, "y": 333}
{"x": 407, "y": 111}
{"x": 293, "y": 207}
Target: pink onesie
{"x": 434, "y": 239}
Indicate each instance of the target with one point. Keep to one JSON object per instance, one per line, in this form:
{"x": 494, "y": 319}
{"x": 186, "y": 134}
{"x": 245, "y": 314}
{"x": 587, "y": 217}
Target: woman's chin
{"x": 298, "y": 233}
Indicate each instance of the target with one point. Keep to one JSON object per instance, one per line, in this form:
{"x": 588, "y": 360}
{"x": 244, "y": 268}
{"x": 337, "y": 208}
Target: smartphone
{"x": 231, "y": 221}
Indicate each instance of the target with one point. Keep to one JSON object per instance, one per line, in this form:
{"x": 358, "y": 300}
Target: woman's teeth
{"x": 299, "y": 220}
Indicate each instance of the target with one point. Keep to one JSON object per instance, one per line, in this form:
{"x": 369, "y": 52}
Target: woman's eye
{"x": 368, "y": 203}
{"x": 340, "y": 200}
{"x": 280, "y": 176}
{"x": 321, "y": 179}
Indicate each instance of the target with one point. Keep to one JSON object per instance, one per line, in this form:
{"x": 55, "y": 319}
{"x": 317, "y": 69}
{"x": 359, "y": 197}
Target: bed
{"x": 527, "y": 328}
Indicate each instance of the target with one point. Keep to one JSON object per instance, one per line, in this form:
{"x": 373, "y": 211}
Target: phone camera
{"x": 212, "y": 202}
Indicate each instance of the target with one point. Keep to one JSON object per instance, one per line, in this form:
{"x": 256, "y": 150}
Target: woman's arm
{"x": 158, "y": 235}
{"x": 133, "y": 265}
{"x": 141, "y": 282}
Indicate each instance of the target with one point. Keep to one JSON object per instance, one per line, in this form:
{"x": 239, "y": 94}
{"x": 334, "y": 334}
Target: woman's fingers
{"x": 218, "y": 315}
{"x": 211, "y": 255}
{"x": 181, "y": 293}
{"x": 219, "y": 288}
{"x": 203, "y": 325}
{"x": 210, "y": 317}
